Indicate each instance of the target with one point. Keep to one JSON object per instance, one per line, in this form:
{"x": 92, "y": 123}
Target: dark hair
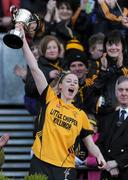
{"x": 114, "y": 37}
{"x": 66, "y": 3}
{"x": 35, "y": 42}
{"x": 74, "y": 55}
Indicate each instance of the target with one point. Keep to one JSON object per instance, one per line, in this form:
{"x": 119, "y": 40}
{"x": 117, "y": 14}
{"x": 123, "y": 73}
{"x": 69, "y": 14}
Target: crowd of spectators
{"x": 89, "y": 38}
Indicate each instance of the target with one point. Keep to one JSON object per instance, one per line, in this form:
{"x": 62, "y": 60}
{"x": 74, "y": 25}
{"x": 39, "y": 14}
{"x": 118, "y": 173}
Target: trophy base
{"x": 13, "y": 41}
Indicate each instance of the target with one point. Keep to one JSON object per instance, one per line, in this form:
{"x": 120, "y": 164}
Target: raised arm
{"x": 37, "y": 74}
{"x": 51, "y": 5}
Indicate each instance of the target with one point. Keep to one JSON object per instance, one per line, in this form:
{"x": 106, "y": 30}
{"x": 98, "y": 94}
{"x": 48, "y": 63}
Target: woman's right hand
{"x": 51, "y": 6}
{"x": 20, "y": 27}
{"x": 20, "y": 71}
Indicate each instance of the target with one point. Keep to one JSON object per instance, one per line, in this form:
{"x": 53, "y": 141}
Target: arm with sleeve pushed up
{"x": 94, "y": 150}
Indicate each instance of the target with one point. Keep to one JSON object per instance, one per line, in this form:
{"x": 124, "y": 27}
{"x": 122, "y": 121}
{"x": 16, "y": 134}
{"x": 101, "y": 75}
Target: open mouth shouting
{"x": 71, "y": 91}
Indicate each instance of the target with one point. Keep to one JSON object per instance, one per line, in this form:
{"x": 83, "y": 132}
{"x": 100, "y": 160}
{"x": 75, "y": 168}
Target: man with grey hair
{"x": 113, "y": 141}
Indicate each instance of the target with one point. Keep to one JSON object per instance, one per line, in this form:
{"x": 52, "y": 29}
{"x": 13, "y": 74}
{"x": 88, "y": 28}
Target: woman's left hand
{"x": 125, "y": 21}
{"x": 101, "y": 162}
{"x": 120, "y": 60}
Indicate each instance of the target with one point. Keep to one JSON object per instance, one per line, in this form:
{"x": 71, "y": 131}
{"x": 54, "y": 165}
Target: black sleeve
{"x": 43, "y": 96}
{"x": 84, "y": 133}
{"x": 63, "y": 33}
{"x": 30, "y": 86}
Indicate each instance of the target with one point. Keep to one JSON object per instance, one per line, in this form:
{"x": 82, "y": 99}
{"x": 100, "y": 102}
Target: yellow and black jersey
{"x": 110, "y": 15}
{"x": 94, "y": 67}
{"x": 86, "y": 97}
{"x": 62, "y": 124}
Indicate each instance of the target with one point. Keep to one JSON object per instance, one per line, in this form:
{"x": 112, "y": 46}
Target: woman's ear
{"x": 59, "y": 86}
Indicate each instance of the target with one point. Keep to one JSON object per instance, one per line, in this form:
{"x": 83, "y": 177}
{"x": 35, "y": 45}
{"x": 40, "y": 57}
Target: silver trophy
{"x": 30, "y": 21}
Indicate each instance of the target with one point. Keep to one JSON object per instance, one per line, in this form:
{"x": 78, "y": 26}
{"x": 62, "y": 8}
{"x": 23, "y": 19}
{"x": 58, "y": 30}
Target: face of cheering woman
{"x": 68, "y": 87}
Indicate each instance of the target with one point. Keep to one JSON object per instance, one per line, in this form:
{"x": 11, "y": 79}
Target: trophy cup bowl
{"x": 13, "y": 39}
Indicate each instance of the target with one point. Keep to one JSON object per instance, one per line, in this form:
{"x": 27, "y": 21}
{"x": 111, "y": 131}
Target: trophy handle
{"x": 13, "y": 11}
